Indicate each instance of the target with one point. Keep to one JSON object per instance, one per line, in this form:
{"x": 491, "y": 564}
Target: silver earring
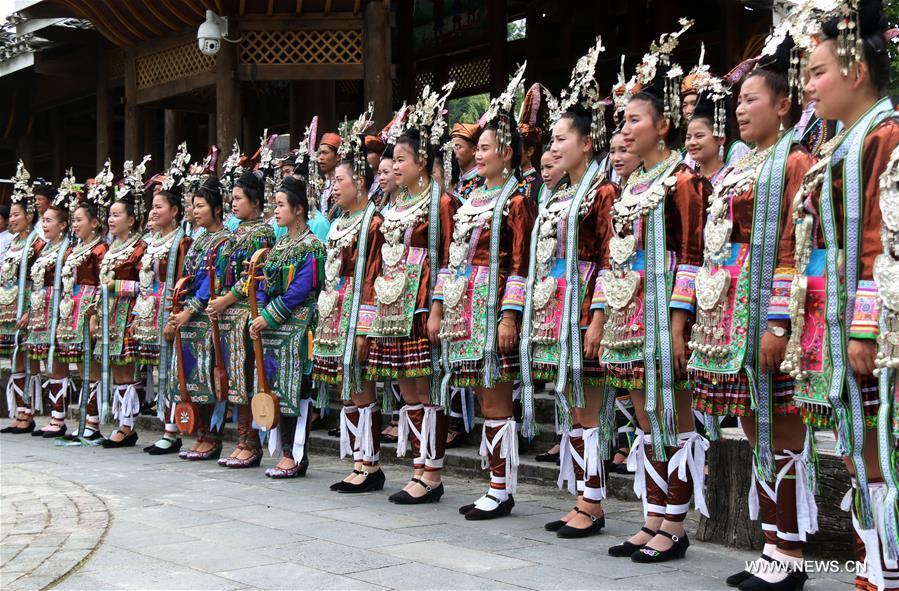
{"x": 421, "y": 180}
{"x": 661, "y": 146}
{"x": 505, "y": 171}
{"x": 781, "y": 127}
{"x": 721, "y": 152}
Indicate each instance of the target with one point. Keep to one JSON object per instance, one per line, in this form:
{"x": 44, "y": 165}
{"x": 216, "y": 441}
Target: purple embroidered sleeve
{"x": 366, "y": 317}
{"x": 599, "y": 294}
{"x": 779, "y": 306}
{"x": 438, "y": 286}
{"x": 684, "y": 295}
{"x": 513, "y": 298}
{"x": 866, "y": 314}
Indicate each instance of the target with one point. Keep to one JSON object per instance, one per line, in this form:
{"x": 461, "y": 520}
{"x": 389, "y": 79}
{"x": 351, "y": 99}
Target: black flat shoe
{"x": 735, "y": 580}
{"x": 129, "y": 441}
{"x": 37, "y": 432}
{"x": 342, "y": 484}
{"x": 432, "y": 495}
{"x": 627, "y": 549}
{"x": 794, "y": 582}
{"x": 11, "y": 428}
{"x": 57, "y": 433}
{"x": 22, "y": 430}
{"x": 648, "y": 554}
{"x": 557, "y": 524}
{"x": 503, "y": 509}
{"x": 466, "y": 508}
{"x": 373, "y": 481}
{"x": 548, "y": 458}
{"x": 174, "y": 448}
{"x": 595, "y": 527}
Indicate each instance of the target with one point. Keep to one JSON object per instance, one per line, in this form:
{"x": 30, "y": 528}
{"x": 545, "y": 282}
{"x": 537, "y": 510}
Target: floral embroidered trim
{"x": 513, "y": 298}
{"x": 867, "y": 312}
{"x": 684, "y": 295}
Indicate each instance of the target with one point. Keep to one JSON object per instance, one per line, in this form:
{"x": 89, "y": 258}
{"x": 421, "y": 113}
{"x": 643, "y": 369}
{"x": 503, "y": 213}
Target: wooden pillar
{"x": 404, "y": 23}
{"x": 497, "y": 33}
{"x": 150, "y": 144}
{"x": 227, "y": 99}
{"x": 58, "y": 140}
{"x": 104, "y": 111}
{"x": 319, "y": 97}
{"x": 173, "y": 134}
{"x": 377, "y": 87}
{"x": 25, "y": 152}
{"x": 213, "y": 136}
{"x": 132, "y": 111}
{"x": 297, "y": 120}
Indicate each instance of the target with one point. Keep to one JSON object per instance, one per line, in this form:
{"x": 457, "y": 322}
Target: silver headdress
{"x": 427, "y": 115}
{"x": 231, "y": 170}
{"x": 133, "y": 184}
{"x": 584, "y": 89}
{"x": 351, "y": 141}
{"x": 501, "y": 110}
{"x": 175, "y": 175}
{"x": 22, "y": 191}
{"x": 66, "y": 197}
{"x": 659, "y": 55}
{"x": 101, "y": 193}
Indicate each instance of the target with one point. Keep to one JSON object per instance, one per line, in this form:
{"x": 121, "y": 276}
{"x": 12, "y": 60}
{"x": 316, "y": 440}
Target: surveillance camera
{"x": 210, "y": 33}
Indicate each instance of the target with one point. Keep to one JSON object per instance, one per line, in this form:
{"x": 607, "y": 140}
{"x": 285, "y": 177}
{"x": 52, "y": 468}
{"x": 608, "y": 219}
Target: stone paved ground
{"x": 181, "y": 525}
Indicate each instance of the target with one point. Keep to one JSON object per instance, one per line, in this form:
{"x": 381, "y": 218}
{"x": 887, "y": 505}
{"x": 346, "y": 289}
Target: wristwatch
{"x": 777, "y": 331}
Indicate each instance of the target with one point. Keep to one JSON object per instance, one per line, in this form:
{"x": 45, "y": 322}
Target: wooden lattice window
{"x": 301, "y": 47}
{"x": 468, "y": 75}
{"x": 177, "y": 62}
{"x": 423, "y": 79}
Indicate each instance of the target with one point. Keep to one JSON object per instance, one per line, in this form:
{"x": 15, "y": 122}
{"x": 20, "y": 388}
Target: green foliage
{"x": 892, "y": 10}
{"x": 467, "y": 109}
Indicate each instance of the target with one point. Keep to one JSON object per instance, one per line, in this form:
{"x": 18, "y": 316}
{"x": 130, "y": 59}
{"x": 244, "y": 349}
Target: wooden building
{"x": 81, "y": 80}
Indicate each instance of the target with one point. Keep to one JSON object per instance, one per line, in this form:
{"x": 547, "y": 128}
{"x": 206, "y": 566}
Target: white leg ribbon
{"x": 640, "y": 465}
{"x": 406, "y": 425}
{"x": 873, "y": 570}
{"x": 299, "y": 434}
{"x": 346, "y": 425}
{"x": 36, "y": 389}
{"x": 806, "y": 508}
{"x": 592, "y": 463}
{"x": 427, "y": 449}
{"x": 568, "y": 455}
{"x": 274, "y": 442}
{"x": 364, "y": 441}
{"x": 507, "y": 438}
{"x": 754, "y": 500}
{"x": 691, "y": 456}
{"x": 125, "y": 404}
{"x": 11, "y": 391}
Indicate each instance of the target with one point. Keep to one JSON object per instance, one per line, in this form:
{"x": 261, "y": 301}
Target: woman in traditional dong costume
{"x": 79, "y": 286}
{"x": 404, "y": 325}
{"x": 159, "y": 270}
{"x": 563, "y": 326}
{"x": 339, "y": 354}
{"x": 15, "y": 300}
{"x": 233, "y": 313}
{"x": 46, "y": 273}
{"x": 738, "y": 339}
{"x": 654, "y": 253}
{"x": 293, "y": 273}
{"x": 479, "y": 297}
{"x": 112, "y": 319}
{"x": 845, "y": 274}
{"x": 195, "y": 326}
